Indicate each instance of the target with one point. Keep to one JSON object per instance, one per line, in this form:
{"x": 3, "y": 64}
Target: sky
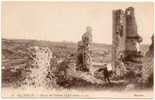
{"x": 67, "y": 21}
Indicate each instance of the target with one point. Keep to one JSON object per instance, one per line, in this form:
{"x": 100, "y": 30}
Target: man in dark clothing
{"x": 105, "y": 72}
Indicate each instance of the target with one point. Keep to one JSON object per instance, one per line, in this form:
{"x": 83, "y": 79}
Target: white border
{"x": 75, "y": 1}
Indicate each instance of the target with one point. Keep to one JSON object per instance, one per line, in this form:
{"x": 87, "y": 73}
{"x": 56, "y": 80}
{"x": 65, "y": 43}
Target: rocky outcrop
{"x": 150, "y": 52}
{"x": 148, "y": 64}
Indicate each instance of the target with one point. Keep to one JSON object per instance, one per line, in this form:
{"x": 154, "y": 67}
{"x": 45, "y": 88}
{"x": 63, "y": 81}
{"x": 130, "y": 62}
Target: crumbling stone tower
{"x": 133, "y": 55}
{"x": 128, "y": 44}
{"x": 84, "y": 52}
{"x": 132, "y": 52}
{"x": 119, "y": 38}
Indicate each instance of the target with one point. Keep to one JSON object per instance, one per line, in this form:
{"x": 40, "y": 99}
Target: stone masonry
{"x": 84, "y": 52}
{"x": 126, "y": 44}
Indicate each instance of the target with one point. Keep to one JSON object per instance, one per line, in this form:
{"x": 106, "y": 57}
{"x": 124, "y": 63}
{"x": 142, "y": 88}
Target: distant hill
{"x": 14, "y": 48}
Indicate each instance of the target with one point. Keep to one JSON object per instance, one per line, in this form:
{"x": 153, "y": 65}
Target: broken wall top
{"x": 131, "y": 25}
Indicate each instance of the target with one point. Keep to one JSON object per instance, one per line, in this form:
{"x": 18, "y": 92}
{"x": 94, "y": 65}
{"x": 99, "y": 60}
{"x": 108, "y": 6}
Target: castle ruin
{"x": 84, "y": 52}
{"x": 126, "y": 43}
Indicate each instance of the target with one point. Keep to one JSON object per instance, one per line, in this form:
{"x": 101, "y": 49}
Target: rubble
{"x": 148, "y": 63}
{"x": 39, "y": 68}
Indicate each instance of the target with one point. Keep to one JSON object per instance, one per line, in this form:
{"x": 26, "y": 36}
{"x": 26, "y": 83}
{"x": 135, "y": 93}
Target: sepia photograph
{"x": 77, "y": 49}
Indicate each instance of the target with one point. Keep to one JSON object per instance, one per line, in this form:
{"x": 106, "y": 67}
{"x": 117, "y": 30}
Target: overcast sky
{"x": 67, "y": 21}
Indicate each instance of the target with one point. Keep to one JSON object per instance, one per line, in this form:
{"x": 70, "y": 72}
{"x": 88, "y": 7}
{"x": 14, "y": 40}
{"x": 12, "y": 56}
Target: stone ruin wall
{"x": 126, "y": 42}
{"x": 148, "y": 64}
{"x": 118, "y": 36}
{"x": 84, "y": 59}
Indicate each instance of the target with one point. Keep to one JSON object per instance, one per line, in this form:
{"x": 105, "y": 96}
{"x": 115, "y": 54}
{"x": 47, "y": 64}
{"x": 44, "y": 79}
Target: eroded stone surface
{"x": 129, "y": 54}
{"x": 84, "y": 52}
